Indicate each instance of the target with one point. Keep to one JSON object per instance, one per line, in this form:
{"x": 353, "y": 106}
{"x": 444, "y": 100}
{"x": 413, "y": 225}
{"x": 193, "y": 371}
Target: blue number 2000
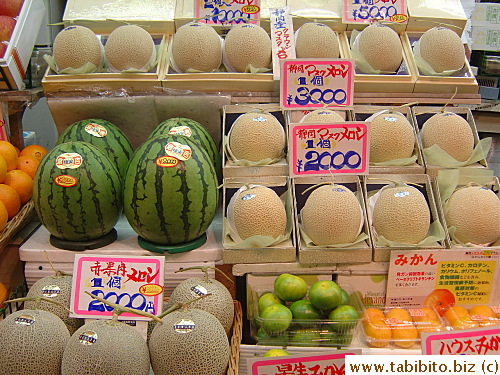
{"x": 327, "y": 160}
{"x": 119, "y": 299}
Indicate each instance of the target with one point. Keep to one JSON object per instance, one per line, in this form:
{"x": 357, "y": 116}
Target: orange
{"x": 372, "y": 314}
{"x": 378, "y": 334}
{"x": 464, "y": 323}
{"x": 28, "y": 164}
{"x": 9, "y": 153}
{"x": 18, "y": 151}
{"x": 3, "y": 294}
{"x": 397, "y": 315}
{"x": 10, "y": 198}
{"x": 423, "y": 314}
{"x": 456, "y": 312}
{"x": 4, "y": 217}
{"x": 429, "y": 326}
{"x": 36, "y": 151}
{"x": 484, "y": 315}
{"x": 404, "y": 336}
{"x": 3, "y": 169}
{"x": 21, "y": 182}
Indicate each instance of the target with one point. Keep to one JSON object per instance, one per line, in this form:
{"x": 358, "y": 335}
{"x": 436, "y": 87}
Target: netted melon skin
{"x": 219, "y": 303}
{"x": 401, "y": 217}
{"x": 322, "y": 116}
{"x": 203, "y": 350}
{"x": 316, "y": 40}
{"x": 118, "y": 349}
{"x": 35, "y": 349}
{"x": 391, "y": 138}
{"x": 74, "y": 46}
{"x": 442, "y": 49}
{"x": 475, "y": 213}
{"x": 197, "y": 46}
{"x": 129, "y": 47}
{"x": 451, "y": 132}
{"x": 381, "y": 47}
{"x": 247, "y": 45}
{"x": 264, "y": 214}
{"x": 64, "y": 283}
{"x": 331, "y": 215}
{"x": 256, "y": 136}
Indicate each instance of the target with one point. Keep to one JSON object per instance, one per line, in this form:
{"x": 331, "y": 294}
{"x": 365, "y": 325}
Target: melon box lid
{"x": 102, "y": 16}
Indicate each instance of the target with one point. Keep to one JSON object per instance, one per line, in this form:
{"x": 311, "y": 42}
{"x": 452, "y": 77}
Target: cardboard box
{"x": 328, "y": 12}
{"x": 103, "y": 16}
{"x": 464, "y": 81}
{"x": 373, "y": 183}
{"x": 362, "y": 112}
{"x": 426, "y": 14}
{"x": 402, "y": 81}
{"x": 279, "y": 253}
{"x": 17, "y": 56}
{"x": 229, "y": 169}
{"x": 422, "y": 113}
{"x": 131, "y": 82}
{"x": 356, "y": 253}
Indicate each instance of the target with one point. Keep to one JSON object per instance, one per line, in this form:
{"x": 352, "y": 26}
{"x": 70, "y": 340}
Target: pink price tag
{"x": 319, "y": 149}
{"x": 476, "y": 341}
{"x": 365, "y": 11}
{"x": 310, "y": 83}
{"x": 227, "y": 12}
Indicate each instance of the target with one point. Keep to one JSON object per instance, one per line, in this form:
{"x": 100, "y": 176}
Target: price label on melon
{"x": 178, "y": 150}
{"x": 475, "y": 341}
{"x": 364, "y": 11}
{"x": 227, "y": 12}
{"x": 307, "y": 363}
{"x": 322, "y": 149}
{"x": 311, "y": 83}
{"x": 132, "y": 281}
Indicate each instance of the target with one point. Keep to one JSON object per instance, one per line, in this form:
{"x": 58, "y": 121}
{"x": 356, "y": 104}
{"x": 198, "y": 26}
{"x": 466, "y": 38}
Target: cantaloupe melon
{"x": 58, "y": 289}
{"x": 316, "y": 40}
{"x": 256, "y": 136}
{"x": 332, "y": 215}
{"x": 475, "y": 213}
{"x": 322, "y": 115}
{"x": 189, "y": 342}
{"x": 391, "y": 137}
{"x": 451, "y": 132}
{"x": 259, "y": 211}
{"x": 381, "y": 47}
{"x": 401, "y": 214}
{"x": 197, "y": 46}
{"x": 106, "y": 347}
{"x": 33, "y": 342}
{"x": 442, "y": 49}
{"x": 247, "y": 44}
{"x": 130, "y": 47}
{"x": 75, "y": 46}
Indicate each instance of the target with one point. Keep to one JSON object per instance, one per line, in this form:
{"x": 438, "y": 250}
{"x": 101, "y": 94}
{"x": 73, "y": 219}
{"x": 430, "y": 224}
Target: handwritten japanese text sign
{"x": 327, "y": 363}
{"x": 476, "y": 341}
{"x": 319, "y": 149}
{"x": 312, "y": 83}
{"x": 133, "y": 281}
{"x": 283, "y": 41}
{"x": 227, "y": 12}
{"x": 364, "y": 11}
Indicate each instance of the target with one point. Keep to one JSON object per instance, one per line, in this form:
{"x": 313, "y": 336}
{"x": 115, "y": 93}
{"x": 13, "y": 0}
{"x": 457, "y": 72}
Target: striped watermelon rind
{"x": 170, "y": 205}
{"x": 86, "y": 211}
{"x": 199, "y": 134}
{"x": 114, "y": 144}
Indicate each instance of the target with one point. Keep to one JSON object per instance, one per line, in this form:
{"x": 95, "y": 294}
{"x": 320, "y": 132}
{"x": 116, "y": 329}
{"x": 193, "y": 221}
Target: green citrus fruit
{"x": 266, "y": 300}
{"x": 264, "y": 339}
{"x": 276, "y": 319}
{"x": 275, "y": 353}
{"x": 345, "y": 297}
{"x": 303, "y": 309}
{"x": 290, "y": 288}
{"x": 345, "y": 318}
{"x": 305, "y": 337}
{"x": 325, "y": 295}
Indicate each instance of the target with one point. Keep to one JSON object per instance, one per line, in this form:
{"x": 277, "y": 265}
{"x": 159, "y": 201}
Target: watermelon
{"x": 104, "y": 135}
{"x": 77, "y": 192}
{"x": 195, "y": 130}
{"x": 169, "y": 200}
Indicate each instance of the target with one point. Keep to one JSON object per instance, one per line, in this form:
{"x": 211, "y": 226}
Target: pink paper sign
{"x": 364, "y": 11}
{"x": 135, "y": 281}
{"x": 311, "y": 83}
{"x": 319, "y": 149}
{"x": 332, "y": 363}
{"x": 227, "y": 11}
{"x": 476, "y": 341}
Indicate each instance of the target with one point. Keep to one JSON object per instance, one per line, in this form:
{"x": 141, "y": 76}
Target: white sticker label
{"x": 391, "y": 118}
{"x": 87, "y": 338}
{"x": 51, "y": 291}
{"x": 184, "y": 326}
{"x": 259, "y": 119}
{"x": 178, "y": 150}
{"x": 69, "y": 160}
{"x": 198, "y": 291}
{"x": 401, "y": 194}
{"x": 25, "y": 320}
{"x": 96, "y": 130}
{"x": 181, "y": 130}
{"x": 247, "y": 197}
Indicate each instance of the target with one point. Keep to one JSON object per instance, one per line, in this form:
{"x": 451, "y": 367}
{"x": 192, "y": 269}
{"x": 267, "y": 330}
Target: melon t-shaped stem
{"x": 181, "y": 305}
{"x": 37, "y": 301}
{"x": 205, "y": 270}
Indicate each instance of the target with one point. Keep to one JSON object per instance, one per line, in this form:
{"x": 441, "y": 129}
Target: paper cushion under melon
{"x": 77, "y": 192}
{"x": 169, "y": 200}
